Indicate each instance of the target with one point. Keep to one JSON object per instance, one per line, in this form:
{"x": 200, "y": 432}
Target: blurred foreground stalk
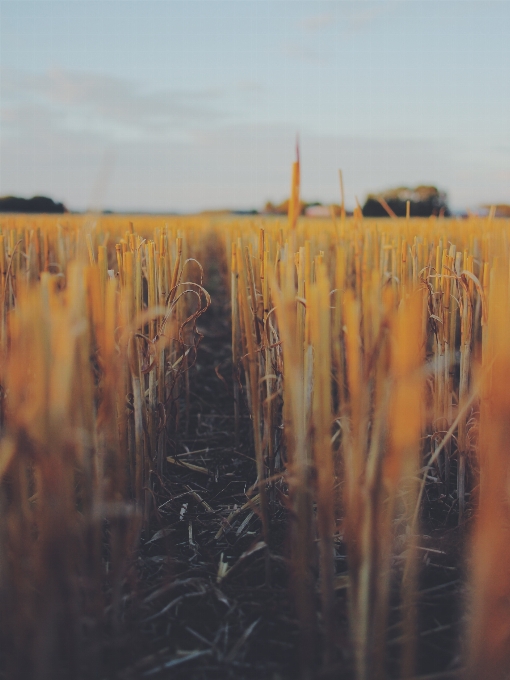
{"x": 93, "y": 361}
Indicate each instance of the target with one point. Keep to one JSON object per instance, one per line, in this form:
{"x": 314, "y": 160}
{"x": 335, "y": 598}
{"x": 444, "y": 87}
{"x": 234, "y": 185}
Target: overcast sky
{"x": 184, "y": 104}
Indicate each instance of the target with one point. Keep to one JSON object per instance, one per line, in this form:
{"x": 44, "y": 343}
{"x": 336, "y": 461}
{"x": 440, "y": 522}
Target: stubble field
{"x": 254, "y": 448}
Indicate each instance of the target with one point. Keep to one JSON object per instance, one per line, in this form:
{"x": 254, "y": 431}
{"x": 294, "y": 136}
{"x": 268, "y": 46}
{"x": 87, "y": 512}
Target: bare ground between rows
{"x": 188, "y": 622}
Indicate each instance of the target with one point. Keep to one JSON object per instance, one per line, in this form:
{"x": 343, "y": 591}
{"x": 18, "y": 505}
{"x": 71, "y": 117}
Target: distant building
{"x": 318, "y": 211}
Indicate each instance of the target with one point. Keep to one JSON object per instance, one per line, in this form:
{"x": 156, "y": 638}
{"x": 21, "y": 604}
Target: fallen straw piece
{"x": 189, "y": 466}
{"x": 226, "y": 522}
{"x": 198, "y": 498}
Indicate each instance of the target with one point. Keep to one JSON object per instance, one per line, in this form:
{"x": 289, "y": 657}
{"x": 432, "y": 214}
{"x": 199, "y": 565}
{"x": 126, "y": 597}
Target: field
{"x": 254, "y": 447}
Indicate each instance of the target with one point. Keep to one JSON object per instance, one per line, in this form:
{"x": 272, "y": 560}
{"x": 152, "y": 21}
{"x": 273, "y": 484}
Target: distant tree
{"x": 277, "y": 209}
{"x": 37, "y": 204}
{"x": 425, "y": 201}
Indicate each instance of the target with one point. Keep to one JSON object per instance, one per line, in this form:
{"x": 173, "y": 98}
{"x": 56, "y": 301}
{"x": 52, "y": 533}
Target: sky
{"x": 185, "y": 105}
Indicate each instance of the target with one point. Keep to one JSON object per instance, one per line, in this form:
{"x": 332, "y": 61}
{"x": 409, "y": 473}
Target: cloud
{"x": 318, "y": 22}
{"x": 360, "y": 19}
{"x": 354, "y": 18}
{"x": 347, "y": 18}
{"x": 109, "y": 107}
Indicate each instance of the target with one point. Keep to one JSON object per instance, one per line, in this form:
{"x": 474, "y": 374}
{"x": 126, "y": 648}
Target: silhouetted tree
{"x": 37, "y": 204}
{"x": 425, "y": 201}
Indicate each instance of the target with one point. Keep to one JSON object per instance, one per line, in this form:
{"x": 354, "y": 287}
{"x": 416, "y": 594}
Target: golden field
{"x": 373, "y": 360}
